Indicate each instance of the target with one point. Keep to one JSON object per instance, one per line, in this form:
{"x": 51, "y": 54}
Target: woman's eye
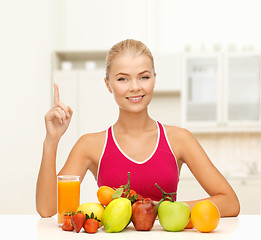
{"x": 121, "y": 79}
{"x": 145, "y": 77}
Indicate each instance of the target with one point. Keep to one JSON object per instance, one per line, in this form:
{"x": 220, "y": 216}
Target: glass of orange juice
{"x": 68, "y": 195}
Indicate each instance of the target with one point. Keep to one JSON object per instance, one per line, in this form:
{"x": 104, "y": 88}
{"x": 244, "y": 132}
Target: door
{"x": 202, "y": 90}
{"x": 68, "y": 90}
{"x": 98, "y": 109}
{"x": 243, "y": 92}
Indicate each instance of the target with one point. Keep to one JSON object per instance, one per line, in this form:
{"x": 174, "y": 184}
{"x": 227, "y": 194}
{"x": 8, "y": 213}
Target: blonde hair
{"x": 137, "y": 48}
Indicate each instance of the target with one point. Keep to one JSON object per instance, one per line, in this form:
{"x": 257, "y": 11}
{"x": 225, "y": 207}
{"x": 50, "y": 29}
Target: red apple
{"x": 144, "y": 213}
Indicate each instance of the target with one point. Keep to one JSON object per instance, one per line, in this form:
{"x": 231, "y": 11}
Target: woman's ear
{"x": 107, "y": 84}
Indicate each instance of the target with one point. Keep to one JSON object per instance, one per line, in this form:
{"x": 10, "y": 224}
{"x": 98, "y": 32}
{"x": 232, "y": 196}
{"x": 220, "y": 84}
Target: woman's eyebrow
{"x": 144, "y": 72}
{"x": 121, "y": 73}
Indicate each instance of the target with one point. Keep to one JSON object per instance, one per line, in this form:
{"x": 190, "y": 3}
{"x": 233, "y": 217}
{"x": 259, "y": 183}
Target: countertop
{"x": 35, "y": 227}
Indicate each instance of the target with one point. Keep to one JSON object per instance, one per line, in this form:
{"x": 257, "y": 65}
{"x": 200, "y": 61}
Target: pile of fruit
{"x": 118, "y": 207}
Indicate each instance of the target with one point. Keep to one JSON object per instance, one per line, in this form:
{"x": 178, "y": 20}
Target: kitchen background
{"x": 207, "y": 57}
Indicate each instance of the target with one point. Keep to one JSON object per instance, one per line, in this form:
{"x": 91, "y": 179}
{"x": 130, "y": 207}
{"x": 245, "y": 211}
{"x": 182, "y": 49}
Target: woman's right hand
{"x": 58, "y": 118}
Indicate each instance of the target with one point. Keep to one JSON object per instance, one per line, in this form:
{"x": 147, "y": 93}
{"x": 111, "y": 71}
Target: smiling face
{"x": 132, "y": 81}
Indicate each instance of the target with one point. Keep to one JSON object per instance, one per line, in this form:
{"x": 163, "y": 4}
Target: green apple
{"x": 173, "y": 216}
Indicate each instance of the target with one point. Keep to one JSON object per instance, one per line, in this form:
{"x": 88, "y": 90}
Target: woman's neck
{"x": 134, "y": 122}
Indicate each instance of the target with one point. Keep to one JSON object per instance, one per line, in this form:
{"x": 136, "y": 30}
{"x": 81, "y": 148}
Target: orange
{"x": 104, "y": 195}
{"x": 205, "y": 216}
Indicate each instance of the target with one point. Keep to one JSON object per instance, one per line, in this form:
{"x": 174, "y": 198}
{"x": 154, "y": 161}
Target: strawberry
{"x": 133, "y": 196}
{"x": 67, "y": 225}
{"x": 67, "y": 215}
{"x": 78, "y": 220}
{"x": 132, "y": 192}
{"x": 91, "y": 224}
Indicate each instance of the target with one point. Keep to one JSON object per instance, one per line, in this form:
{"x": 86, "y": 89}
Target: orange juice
{"x": 68, "y": 195}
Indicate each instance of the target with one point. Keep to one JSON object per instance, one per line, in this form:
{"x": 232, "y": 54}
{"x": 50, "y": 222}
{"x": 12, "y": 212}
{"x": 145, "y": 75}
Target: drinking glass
{"x": 68, "y": 195}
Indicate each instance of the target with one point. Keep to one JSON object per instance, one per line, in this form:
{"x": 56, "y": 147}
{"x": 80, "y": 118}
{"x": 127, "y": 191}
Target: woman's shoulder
{"x": 90, "y": 145}
{"x": 93, "y": 138}
{"x": 177, "y": 132}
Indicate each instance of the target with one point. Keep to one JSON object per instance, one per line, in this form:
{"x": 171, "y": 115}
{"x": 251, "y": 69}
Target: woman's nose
{"x": 135, "y": 85}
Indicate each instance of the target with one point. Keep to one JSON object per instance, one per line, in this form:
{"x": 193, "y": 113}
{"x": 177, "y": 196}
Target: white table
{"x": 35, "y": 227}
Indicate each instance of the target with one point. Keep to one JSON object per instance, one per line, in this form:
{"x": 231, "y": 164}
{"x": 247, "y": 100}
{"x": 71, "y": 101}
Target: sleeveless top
{"x": 160, "y": 167}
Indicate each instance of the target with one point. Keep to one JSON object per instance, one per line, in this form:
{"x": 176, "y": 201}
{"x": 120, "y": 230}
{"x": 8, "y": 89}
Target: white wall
{"x": 31, "y": 29}
{"x": 27, "y": 37}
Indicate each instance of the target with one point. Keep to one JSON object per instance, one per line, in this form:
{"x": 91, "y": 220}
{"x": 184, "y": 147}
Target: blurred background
{"x": 207, "y": 59}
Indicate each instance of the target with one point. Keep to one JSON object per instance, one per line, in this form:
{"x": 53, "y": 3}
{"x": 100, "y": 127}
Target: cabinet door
{"x": 249, "y": 194}
{"x": 167, "y": 68}
{"x": 243, "y": 88}
{"x": 98, "y": 108}
{"x": 202, "y": 89}
{"x": 68, "y": 89}
{"x": 189, "y": 189}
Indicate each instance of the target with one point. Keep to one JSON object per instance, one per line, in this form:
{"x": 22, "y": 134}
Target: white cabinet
{"x": 242, "y": 85}
{"x": 98, "y": 109}
{"x": 222, "y": 92}
{"x": 189, "y": 189}
{"x": 68, "y": 88}
{"x": 248, "y": 191}
{"x": 202, "y": 86}
{"x": 93, "y": 105}
{"x": 168, "y": 73}
{"x": 100, "y": 24}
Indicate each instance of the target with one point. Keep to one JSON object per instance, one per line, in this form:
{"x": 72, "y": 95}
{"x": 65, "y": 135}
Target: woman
{"x": 150, "y": 151}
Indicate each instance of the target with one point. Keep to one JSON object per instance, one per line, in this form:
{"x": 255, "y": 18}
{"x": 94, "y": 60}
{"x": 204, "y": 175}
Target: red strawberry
{"x": 67, "y": 225}
{"x": 67, "y": 215}
{"x": 78, "y": 220}
{"x": 132, "y": 192}
{"x": 133, "y": 196}
{"x": 91, "y": 225}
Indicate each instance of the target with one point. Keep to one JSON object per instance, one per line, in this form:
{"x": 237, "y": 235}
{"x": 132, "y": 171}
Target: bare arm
{"x": 212, "y": 181}
{"x": 46, "y": 192}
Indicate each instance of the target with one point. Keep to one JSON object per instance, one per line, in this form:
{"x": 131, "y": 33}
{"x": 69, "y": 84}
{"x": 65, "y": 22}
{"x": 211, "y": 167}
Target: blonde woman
{"x": 151, "y": 151}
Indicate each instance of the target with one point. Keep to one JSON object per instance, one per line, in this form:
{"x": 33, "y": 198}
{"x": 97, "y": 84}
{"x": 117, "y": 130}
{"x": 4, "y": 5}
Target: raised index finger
{"x": 56, "y": 94}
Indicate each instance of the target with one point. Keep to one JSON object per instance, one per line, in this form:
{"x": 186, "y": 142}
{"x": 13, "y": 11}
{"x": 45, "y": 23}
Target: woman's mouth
{"x": 135, "y": 99}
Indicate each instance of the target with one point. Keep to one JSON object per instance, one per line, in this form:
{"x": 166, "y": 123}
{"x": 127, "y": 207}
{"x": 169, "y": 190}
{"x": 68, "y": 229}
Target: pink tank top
{"x": 160, "y": 167}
